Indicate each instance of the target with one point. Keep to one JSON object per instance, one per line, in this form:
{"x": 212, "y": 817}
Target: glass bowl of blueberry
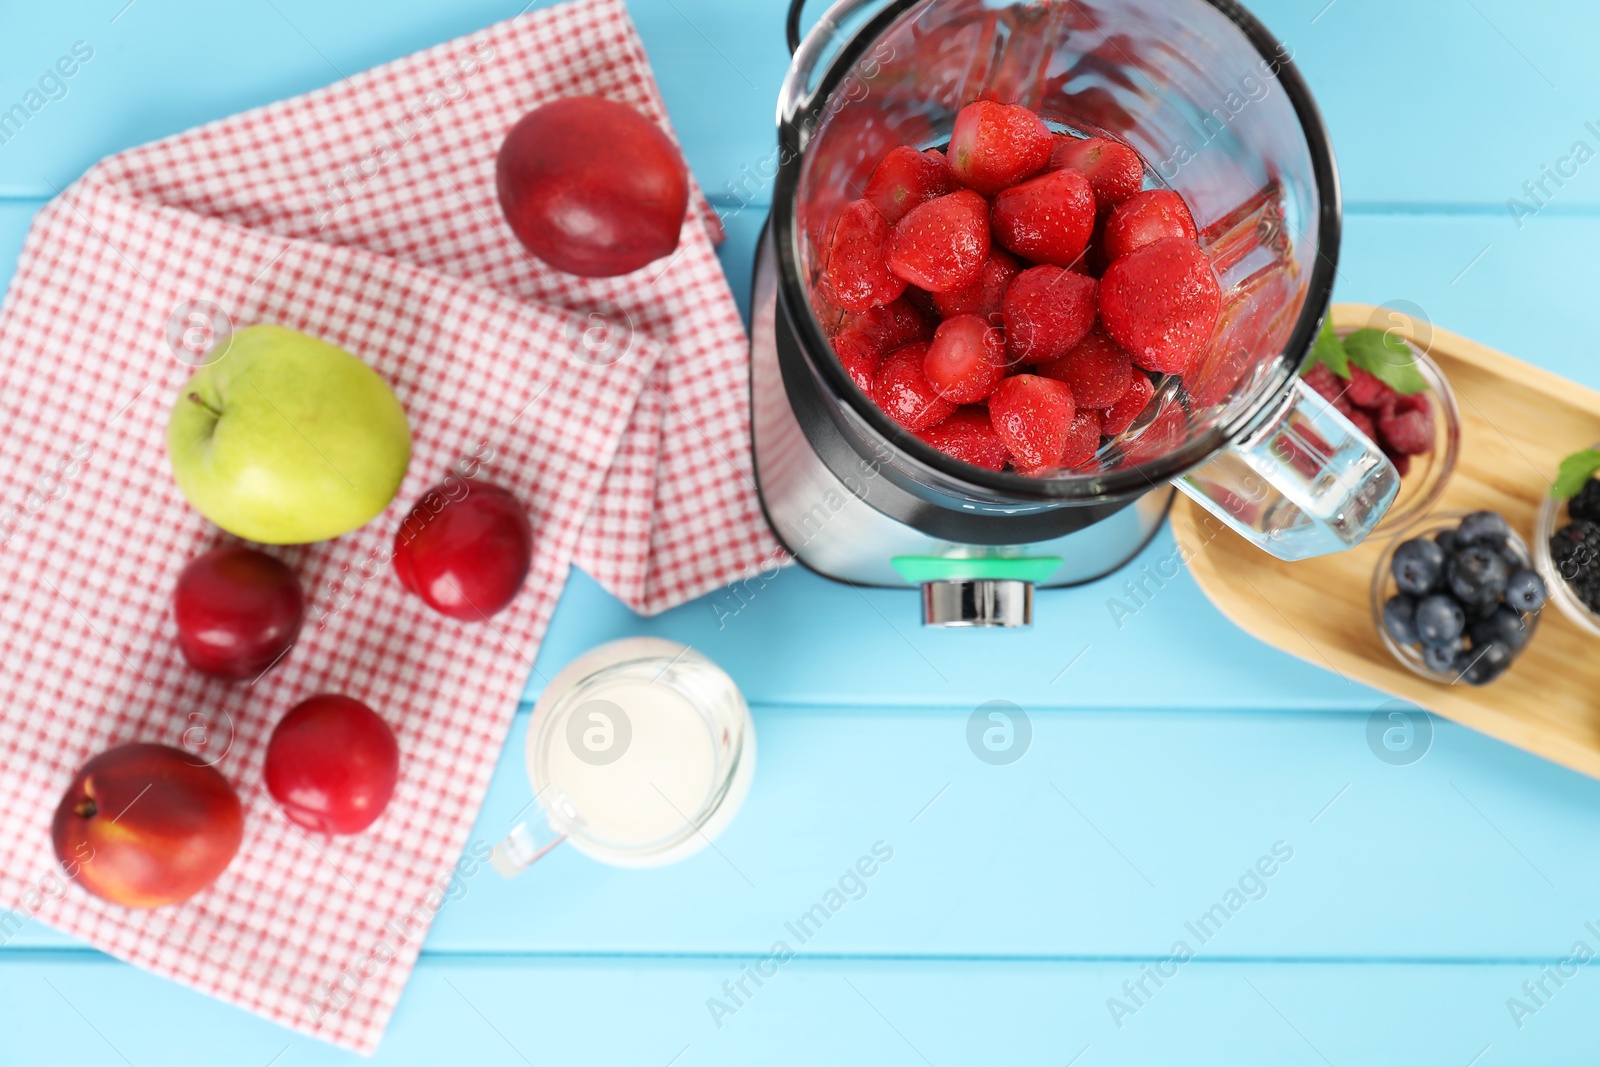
{"x": 1457, "y": 600}
{"x": 1567, "y": 540}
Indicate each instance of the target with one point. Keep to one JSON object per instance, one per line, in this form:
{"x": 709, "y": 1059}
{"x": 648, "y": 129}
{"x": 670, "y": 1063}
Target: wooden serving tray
{"x": 1517, "y": 423}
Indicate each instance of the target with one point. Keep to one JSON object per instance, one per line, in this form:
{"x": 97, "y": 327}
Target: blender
{"x": 1211, "y": 102}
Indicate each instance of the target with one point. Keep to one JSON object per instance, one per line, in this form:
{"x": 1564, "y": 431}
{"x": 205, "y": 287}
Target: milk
{"x": 653, "y": 792}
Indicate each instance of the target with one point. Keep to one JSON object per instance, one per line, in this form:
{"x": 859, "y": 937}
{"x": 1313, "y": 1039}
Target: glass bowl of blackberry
{"x": 1457, "y": 599}
{"x": 1567, "y": 550}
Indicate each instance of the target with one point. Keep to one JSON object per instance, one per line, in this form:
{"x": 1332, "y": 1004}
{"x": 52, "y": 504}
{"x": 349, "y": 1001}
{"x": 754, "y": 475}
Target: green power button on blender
{"x": 919, "y": 570}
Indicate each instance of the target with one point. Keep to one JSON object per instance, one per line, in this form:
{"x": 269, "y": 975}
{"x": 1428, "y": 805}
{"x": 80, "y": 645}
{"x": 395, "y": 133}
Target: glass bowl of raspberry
{"x": 1457, "y": 599}
{"x": 1420, "y": 431}
{"x": 1567, "y": 553}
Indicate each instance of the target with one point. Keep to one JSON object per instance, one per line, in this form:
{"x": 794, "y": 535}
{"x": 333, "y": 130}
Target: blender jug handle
{"x": 1305, "y": 484}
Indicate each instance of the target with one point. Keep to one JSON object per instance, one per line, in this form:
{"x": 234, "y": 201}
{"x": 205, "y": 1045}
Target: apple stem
{"x": 195, "y": 397}
{"x": 86, "y": 809}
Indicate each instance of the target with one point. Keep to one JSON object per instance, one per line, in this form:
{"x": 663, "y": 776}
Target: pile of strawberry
{"x": 1004, "y": 299}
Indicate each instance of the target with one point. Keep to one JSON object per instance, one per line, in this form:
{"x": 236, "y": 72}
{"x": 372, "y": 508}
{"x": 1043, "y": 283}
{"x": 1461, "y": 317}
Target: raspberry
{"x": 904, "y": 393}
{"x": 1145, "y": 218}
{"x": 1414, "y": 402}
{"x": 857, "y": 270}
{"x": 1048, "y": 219}
{"x": 860, "y": 356}
{"x": 1083, "y": 439}
{"x": 891, "y": 326}
{"x": 1402, "y": 463}
{"x": 1033, "y": 416}
{"x": 1161, "y": 303}
{"x": 966, "y": 360}
{"x": 994, "y": 145}
{"x": 1130, "y": 407}
{"x": 1114, "y": 169}
{"x": 968, "y": 436}
{"x": 1363, "y": 422}
{"x": 906, "y": 178}
{"x": 1048, "y": 310}
{"x": 1408, "y": 433}
{"x": 985, "y": 296}
{"x": 1098, "y": 371}
{"x": 1367, "y": 391}
{"x": 943, "y": 244}
{"x": 1326, "y": 383}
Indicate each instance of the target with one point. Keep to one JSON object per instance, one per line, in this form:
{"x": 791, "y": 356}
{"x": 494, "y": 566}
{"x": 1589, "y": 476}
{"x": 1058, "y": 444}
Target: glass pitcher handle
{"x": 1307, "y": 484}
{"x": 527, "y": 843}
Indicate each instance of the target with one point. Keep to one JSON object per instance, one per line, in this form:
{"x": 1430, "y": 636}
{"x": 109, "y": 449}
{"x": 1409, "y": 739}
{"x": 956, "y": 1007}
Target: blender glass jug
{"x": 1212, "y": 103}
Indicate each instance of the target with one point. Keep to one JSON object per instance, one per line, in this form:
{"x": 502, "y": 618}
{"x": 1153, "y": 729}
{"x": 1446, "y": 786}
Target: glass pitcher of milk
{"x": 640, "y": 753}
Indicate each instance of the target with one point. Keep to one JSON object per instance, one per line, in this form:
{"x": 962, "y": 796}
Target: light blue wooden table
{"x": 1171, "y": 757}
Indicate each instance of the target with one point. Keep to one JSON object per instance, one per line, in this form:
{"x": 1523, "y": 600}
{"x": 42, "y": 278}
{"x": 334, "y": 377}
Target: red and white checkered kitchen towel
{"x": 365, "y": 214}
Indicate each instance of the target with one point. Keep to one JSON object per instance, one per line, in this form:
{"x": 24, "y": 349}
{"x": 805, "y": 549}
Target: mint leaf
{"x": 1328, "y": 351}
{"x": 1576, "y": 470}
{"x": 1388, "y": 358}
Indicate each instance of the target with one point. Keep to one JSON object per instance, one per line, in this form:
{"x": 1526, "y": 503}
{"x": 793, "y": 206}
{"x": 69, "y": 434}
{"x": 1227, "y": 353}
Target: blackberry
{"x": 1586, "y": 505}
{"x": 1575, "y": 551}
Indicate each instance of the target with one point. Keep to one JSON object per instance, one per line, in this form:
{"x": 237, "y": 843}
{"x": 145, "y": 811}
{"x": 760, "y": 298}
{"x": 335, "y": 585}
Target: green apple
{"x": 287, "y": 439}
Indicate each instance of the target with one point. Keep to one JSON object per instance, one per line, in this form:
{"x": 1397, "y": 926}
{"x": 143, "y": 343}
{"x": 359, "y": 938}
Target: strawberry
{"x": 1160, "y": 437}
{"x": 1097, "y": 369}
{"x": 1083, "y": 439}
{"x": 1145, "y": 218}
{"x": 943, "y": 244}
{"x": 857, "y": 272}
{"x": 906, "y": 178}
{"x": 1113, "y": 169}
{"x": 1048, "y": 310}
{"x": 1130, "y": 407}
{"x": 1033, "y": 416}
{"x": 968, "y": 436}
{"x": 966, "y": 360}
{"x": 1369, "y": 391}
{"x": 860, "y": 355}
{"x": 1407, "y": 433}
{"x": 1326, "y": 383}
{"x": 1161, "y": 303}
{"x": 985, "y": 296}
{"x": 890, "y": 326}
{"x": 904, "y": 393}
{"x": 997, "y": 145}
{"x": 1048, "y": 219}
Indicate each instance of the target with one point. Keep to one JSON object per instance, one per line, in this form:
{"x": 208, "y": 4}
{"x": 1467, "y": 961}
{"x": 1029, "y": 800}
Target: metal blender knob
{"x": 1004, "y": 602}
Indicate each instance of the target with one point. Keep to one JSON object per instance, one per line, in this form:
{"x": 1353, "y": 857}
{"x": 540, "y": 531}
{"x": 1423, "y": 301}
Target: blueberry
{"x": 1439, "y": 620}
{"x": 1482, "y": 527}
{"x": 1442, "y": 659}
{"x": 1505, "y": 626}
{"x": 1525, "y": 591}
{"x": 1476, "y": 573}
{"x": 1399, "y": 618}
{"x": 1481, "y": 608}
{"x": 1447, "y": 540}
{"x": 1418, "y": 566}
{"x": 1487, "y": 662}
